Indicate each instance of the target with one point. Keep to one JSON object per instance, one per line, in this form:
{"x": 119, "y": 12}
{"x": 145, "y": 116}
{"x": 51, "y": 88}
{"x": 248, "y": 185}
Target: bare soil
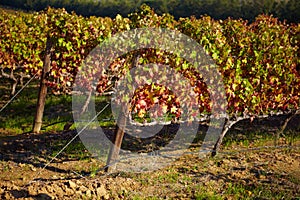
{"x": 257, "y": 173}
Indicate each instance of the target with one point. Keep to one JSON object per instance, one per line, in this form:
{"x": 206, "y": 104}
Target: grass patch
{"x": 75, "y": 150}
{"x": 260, "y": 138}
{"x": 238, "y": 191}
{"x": 206, "y": 195}
{"x": 18, "y": 116}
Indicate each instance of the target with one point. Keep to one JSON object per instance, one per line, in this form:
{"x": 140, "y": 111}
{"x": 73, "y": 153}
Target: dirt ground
{"x": 252, "y": 169}
{"x": 242, "y": 171}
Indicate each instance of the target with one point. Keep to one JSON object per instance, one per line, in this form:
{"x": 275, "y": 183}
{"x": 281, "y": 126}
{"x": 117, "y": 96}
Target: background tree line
{"x": 218, "y": 9}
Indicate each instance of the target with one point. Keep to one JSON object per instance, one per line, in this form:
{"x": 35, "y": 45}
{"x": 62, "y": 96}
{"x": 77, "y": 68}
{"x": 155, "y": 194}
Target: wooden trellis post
{"x": 119, "y": 133}
{"x": 43, "y": 88}
{"x": 116, "y": 146}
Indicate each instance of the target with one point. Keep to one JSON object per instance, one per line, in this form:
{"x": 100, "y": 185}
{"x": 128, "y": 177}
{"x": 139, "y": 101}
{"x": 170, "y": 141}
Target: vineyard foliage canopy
{"x": 259, "y": 61}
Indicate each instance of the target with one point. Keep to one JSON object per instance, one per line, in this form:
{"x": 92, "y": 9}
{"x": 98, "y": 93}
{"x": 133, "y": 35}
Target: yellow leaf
{"x": 173, "y": 109}
{"x": 164, "y": 108}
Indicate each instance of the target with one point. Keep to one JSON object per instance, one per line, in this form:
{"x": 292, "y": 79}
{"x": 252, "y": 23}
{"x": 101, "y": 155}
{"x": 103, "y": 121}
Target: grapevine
{"x": 259, "y": 61}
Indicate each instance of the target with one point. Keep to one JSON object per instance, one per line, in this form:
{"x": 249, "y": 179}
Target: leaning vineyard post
{"x": 43, "y": 87}
{"x": 119, "y": 132}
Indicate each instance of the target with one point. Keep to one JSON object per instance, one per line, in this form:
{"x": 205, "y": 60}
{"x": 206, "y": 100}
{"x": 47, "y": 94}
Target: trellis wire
{"x": 53, "y": 158}
{"x": 169, "y": 155}
{"x": 189, "y": 153}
